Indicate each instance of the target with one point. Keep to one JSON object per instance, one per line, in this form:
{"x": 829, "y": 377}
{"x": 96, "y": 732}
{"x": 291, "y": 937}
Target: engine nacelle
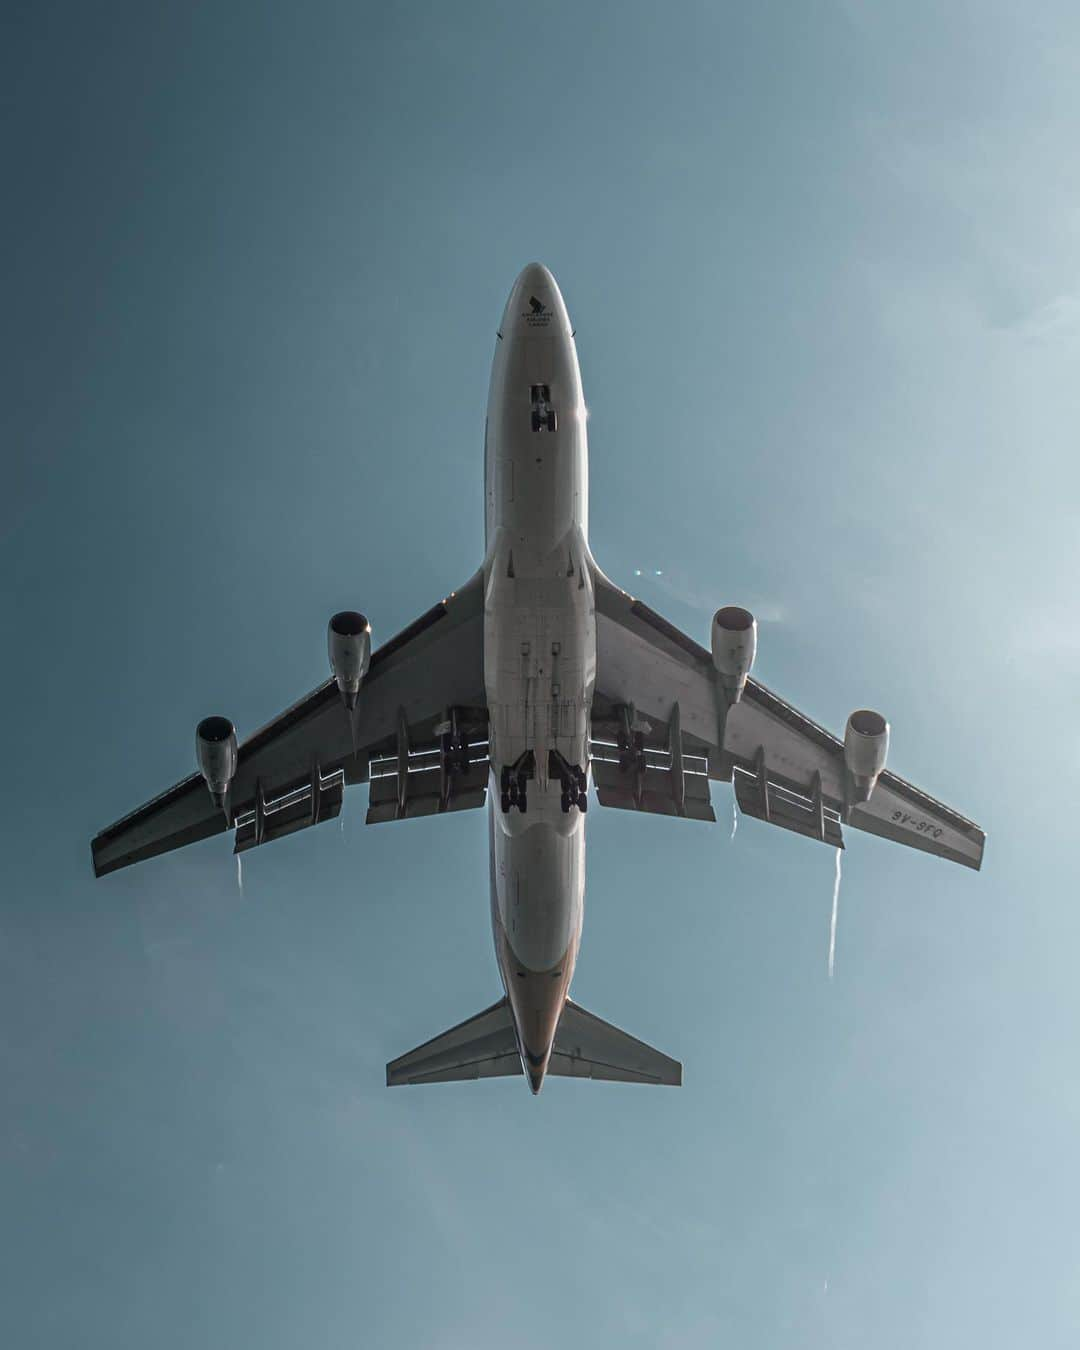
{"x": 348, "y": 641}
{"x": 216, "y": 752}
{"x": 734, "y": 644}
{"x": 866, "y": 747}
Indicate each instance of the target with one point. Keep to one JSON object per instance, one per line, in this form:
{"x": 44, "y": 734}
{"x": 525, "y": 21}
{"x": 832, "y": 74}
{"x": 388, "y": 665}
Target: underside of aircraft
{"x": 534, "y": 680}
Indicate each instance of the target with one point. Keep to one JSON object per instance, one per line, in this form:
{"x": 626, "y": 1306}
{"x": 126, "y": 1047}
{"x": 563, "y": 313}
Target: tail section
{"x": 482, "y": 1047}
{"x": 485, "y": 1046}
{"x": 586, "y": 1047}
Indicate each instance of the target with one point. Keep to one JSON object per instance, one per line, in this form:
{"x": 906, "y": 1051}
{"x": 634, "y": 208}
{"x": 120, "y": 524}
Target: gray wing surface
{"x": 483, "y": 1046}
{"x": 433, "y": 666}
{"x": 785, "y": 768}
{"x": 588, "y": 1047}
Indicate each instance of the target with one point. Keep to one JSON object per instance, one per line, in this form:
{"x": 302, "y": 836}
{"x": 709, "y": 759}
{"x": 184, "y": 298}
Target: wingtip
{"x": 98, "y": 869}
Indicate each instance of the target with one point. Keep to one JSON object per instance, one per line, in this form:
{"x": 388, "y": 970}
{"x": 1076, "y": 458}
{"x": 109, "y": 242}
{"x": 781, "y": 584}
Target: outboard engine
{"x": 866, "y": 747}
{"x": 216, "y": 752}
{"x": 734, "y": 644}
{"x": 348, "y": 640}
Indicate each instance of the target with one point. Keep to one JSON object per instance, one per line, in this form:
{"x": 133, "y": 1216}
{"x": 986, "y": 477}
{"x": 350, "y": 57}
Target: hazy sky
{"x": 824, "y": 263}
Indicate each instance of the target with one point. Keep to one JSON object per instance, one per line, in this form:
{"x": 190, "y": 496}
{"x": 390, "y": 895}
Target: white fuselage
{"x": 539, "y": 654}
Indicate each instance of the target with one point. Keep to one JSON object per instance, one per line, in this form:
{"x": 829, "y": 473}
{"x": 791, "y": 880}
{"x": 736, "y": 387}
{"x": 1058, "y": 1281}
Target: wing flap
{"x": 309, "y": 803}
{"x": 429, "y": 788}
{"x": 615, "y": 787}
{"x": 766, "y": 800}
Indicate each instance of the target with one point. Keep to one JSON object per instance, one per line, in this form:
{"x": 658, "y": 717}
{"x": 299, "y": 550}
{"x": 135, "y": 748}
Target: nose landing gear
{"x": 543, "y": 414}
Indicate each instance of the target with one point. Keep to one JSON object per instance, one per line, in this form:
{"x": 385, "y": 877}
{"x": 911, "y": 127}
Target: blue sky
{"x": 823, "y": 263}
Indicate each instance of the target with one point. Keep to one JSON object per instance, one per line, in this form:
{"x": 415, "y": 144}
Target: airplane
{"x": 538, "y": 676}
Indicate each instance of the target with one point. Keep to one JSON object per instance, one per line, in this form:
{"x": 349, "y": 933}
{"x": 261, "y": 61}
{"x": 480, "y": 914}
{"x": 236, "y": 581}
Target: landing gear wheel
{"x": 504, "y": 802}
{"x": 523, "y": 802}
{"x": 583, "y": 803}
{"x": 565, "y": 803}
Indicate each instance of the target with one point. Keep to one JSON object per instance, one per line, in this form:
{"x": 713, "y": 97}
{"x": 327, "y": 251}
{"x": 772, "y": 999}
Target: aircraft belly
{"x": 539, "y": 654}
{"x": 539, "y": 667}
{"x": 538, "y": 887}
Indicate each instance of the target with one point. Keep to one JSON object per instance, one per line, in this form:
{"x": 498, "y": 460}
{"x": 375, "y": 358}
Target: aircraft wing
{"x": 420, "y": 738}
{"x": 662, "y": 728}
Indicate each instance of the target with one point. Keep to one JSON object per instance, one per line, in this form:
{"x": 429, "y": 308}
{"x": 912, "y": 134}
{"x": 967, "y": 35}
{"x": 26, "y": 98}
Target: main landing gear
{"x": 513, "y": 782}
{"x": 574, "y": 783}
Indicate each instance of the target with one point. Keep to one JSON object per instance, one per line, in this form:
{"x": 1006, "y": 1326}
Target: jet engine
{"x": 348, "y": 640}
{"x": 216, "y": 752}
{"x": 866, "y": 745}
{"x": 734, "y": 643}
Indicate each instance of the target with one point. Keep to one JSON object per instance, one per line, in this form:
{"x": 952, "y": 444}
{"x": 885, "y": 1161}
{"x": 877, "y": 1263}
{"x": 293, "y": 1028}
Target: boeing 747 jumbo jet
{"x": 535, "y": 677}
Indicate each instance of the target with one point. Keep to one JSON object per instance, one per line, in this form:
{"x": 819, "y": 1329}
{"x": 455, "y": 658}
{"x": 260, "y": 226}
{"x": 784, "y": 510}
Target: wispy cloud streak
{"x": 835, "y": 914}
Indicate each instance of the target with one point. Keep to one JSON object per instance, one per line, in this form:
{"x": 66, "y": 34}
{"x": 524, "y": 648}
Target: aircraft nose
{"x": 535, "y": 307}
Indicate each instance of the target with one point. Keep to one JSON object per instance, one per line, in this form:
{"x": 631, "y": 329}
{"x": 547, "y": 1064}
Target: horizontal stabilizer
{"x": 586, "y": 1047}
{"x": 485, "y": 1047}
{"x": 482, "y": 1047}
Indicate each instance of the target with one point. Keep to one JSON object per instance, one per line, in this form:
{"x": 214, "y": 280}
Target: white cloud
{"x": 1057, "y": 319}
